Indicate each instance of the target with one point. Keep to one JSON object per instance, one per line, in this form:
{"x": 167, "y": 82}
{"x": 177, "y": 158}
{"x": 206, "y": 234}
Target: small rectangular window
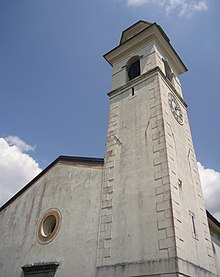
{"x": 193, "y": 224}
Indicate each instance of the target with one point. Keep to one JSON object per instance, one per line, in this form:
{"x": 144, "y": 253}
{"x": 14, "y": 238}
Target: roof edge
{"x": 85, "y": 160}
{"x": 116, "y": 47}
{"x": 136, "y": 23}
{"x": 213, "y": 219}
{"x": 81, "y": 159}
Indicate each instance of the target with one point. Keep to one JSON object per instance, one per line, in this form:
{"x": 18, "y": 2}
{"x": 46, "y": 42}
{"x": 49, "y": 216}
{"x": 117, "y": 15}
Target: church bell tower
{"x": 153, "y": 220}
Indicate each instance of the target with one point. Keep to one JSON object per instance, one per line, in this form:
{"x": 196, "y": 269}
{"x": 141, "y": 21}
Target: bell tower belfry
{"x": 153, "y": 219}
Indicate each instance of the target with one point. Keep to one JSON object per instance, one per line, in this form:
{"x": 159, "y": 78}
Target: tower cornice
{"x": 140, "y": 78}
{"x": 152, "y": 32}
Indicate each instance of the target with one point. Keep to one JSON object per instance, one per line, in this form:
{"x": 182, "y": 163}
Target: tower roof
{"x": 134, "y": 30}
{"x": 138, "y": 34}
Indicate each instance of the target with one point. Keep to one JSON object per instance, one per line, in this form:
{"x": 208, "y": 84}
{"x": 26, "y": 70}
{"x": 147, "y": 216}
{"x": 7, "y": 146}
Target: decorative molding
{"x": 38, "y": 268}
{"x": 141, "y": 78}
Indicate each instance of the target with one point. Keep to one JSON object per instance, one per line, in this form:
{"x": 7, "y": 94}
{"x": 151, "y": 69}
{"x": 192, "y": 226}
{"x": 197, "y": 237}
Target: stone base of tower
{"x": 155, "y": 268}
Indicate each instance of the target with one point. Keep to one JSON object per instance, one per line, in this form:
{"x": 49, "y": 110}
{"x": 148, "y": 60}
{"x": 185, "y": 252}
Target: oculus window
{"x": 48, "y": 226}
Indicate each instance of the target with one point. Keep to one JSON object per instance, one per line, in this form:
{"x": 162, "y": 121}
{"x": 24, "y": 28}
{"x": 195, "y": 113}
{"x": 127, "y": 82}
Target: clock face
{"x": 175, "y": 108}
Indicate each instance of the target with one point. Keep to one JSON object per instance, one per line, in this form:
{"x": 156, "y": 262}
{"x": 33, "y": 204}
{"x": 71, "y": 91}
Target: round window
{"x": 48, "y": 226}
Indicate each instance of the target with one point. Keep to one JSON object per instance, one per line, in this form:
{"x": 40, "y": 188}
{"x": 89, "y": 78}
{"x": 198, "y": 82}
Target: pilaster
{"x": 106, "y": 220}
{"x": 165, "y": 225}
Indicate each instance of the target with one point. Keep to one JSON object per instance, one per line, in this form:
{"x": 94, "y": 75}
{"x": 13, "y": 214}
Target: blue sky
{"x": 54, "y": 80}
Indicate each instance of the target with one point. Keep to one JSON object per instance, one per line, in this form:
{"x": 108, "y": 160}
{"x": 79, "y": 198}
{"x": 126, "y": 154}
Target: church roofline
{"x": 81, "y": 159}
{"x": 71, "y": 159}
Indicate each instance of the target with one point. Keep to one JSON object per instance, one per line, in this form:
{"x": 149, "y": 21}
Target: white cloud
{"x": 184, "y": 8}
{"x": 137, "y": 2}
{"x": 16, "y": 167}
{"x": 211, "y": 188}
{"x": 21, "y": 145}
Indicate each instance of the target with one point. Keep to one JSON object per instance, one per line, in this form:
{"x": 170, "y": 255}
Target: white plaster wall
{"x": 134, "y": 204}
{"x": 188, "y": 197}
{"x": 75, "y": 191}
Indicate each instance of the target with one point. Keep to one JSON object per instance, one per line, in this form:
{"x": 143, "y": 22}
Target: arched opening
{"x": 133, "y": 67}
{"x": 168, "y": 71}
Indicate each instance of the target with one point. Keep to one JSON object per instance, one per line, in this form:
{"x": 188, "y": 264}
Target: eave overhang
{"x": 40, "y": 268}
{"x": 214, "y": 224}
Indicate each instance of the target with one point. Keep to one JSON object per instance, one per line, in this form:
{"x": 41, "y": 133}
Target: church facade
{"x": 139, "y": 211}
